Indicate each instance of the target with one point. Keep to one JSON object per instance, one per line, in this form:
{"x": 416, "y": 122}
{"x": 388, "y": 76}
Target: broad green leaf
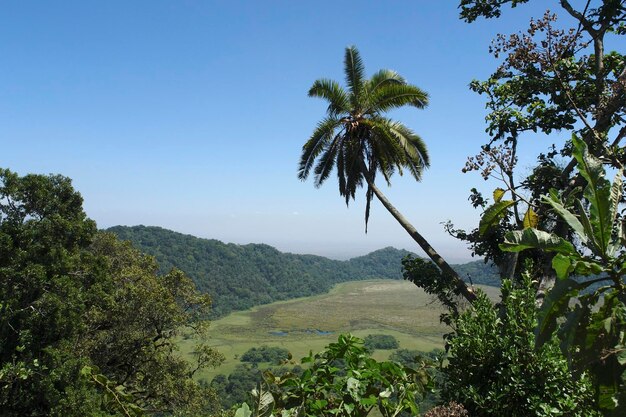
{"x": 554, "y": 306}
{"x": 592, "y": 243}
{"x": 353, "y": 386}
{"x": 519, "y": 240}
{"x": 493, "y": 214}
{"x": 562, "y": 265}
{"x": 567, "y": 215}
{"x": 263, "y": 402}
{"x": 597, "y": 192}
{"x": 385, "y": 394}
{"x": 531, "y": 219}
{"x": 498, "y": 193}
{"x": 607, "y": 397}
{"x": 586, "y": 268}
{"x": 243, "y": 411}
{"x": 369, "y": 401}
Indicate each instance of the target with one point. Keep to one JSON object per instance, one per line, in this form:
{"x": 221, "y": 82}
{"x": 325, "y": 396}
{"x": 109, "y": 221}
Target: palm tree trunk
{"x": 466, "y": 291}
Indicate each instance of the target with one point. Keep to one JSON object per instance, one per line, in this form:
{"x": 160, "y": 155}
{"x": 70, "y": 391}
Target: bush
{"x": 494, "y": 368}
{"x": 273, "y": 354}
{"x": 380, "y": 341}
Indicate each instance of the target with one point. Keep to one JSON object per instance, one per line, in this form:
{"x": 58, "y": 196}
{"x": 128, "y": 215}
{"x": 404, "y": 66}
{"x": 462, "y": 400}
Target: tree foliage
{"x": 273, "y": 354}
{"x": 592, "y": 328}
{"x": 87, "y": 326}
{"x": 380, "y": 341}
{"x": 356, "y": 138}
{"x": 554, "y": 76}
{"x": 343, "y": 380}
{"x": 494, "y": 368}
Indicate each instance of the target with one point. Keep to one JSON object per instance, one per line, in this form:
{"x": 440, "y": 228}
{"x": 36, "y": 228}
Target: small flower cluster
{"x": 491, "y": 158}
{"x": 542, "y": 45}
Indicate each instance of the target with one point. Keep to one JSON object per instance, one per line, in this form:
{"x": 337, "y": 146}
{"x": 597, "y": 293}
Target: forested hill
{"x": 241, "y": 276}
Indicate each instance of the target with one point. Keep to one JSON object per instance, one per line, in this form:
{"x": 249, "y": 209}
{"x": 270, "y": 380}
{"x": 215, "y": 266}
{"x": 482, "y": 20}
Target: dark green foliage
{"x": 592, "y": 329}
{"x": 494, "y": 369}
{"x": 429, "y": 361}
{"x": 273, "y": 354}
{"x": 344, "y": 381}
{"x": 87, "y": 327}
{"x": 241, "y": 276}
{"x": 473, "y": 9}
{"x": 380, "y": 341}
{"x": 414, "y": 358}
{"x": 235, "y": 388}
{"x": 406, "y": 357}
{"x": 432, "y": 280}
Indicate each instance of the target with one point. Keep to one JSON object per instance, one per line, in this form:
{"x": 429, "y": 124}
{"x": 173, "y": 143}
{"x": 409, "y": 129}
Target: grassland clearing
{"x": 396, "y": 308}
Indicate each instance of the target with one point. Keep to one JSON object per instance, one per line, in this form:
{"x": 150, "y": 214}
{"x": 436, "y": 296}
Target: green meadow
{"x": 396, "y": 308}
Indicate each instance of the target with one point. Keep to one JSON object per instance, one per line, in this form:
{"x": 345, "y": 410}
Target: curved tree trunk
{"x": 466, "y": 291}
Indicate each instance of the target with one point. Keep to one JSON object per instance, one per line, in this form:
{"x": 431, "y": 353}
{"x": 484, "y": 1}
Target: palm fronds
{"x": 355, "y": 138}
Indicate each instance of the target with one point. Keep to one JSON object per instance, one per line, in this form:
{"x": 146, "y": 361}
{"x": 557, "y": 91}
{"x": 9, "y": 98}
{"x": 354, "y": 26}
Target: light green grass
{"x": 396, "y": 308}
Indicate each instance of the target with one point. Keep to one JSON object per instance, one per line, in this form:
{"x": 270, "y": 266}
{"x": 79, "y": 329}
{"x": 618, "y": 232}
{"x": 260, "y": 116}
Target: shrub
{"x": 380, "y": 341}
{"x": 494, "y": 368}
{"x": 264, "y": 353}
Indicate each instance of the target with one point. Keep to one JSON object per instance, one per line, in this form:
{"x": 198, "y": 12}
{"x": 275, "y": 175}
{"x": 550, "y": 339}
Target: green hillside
{"x": 241, "y": 276}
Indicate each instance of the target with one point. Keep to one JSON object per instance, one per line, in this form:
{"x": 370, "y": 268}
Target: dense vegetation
{"x": 495, "y": 370}
{"x": 344, "y": 380}
{"x": 87, "y": 326}
{"x": 241, "y": 276}
{"x": 380, "y": 341}
{"x": 271, "y": 354}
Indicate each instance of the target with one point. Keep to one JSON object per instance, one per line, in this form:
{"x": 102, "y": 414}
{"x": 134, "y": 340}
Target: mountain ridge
{"x": 238, "y": 277}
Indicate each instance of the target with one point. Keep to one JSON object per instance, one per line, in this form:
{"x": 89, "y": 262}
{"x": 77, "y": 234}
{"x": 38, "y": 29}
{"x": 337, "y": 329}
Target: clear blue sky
{"x": 190, "y": 115}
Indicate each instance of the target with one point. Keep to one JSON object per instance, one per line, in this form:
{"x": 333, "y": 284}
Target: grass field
{"x": 396, "y": 308}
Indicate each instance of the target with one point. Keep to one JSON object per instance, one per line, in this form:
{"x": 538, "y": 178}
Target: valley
{"x": 392, "y": 307}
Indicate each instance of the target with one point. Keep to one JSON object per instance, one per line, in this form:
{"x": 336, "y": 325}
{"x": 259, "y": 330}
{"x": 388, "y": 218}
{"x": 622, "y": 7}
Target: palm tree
{"x": 360, "y": 142}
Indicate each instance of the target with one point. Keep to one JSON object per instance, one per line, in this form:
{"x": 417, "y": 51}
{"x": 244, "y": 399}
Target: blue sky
{"x": 190, "y": 115}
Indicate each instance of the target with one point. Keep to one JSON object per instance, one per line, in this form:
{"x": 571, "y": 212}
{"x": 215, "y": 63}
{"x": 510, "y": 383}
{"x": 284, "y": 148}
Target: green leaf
{"x": 493, "y": 214}
{"x": 519, "y": 240}
{"x": 586, "y": 222}
{"x": 567, "y": 215}
{"x": 562, "y": 265}
{"x": 597, "y": 192}
{"x": 553, "y": 307}
{"x": 498, "y": 193}
{"x": 385, "y": 394}
{"x": 369, "y": 401}
{"x": 263, "y": 402}
{"x": 608, "y": 397}
{"x": 243, "y": 411}
{"x": 530, "y": 219}
{"x": 353, "y": 386}
{"x": 586, "y": 268}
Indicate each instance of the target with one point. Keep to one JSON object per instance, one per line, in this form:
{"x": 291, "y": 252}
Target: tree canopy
{"x": 87, "y": 326}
